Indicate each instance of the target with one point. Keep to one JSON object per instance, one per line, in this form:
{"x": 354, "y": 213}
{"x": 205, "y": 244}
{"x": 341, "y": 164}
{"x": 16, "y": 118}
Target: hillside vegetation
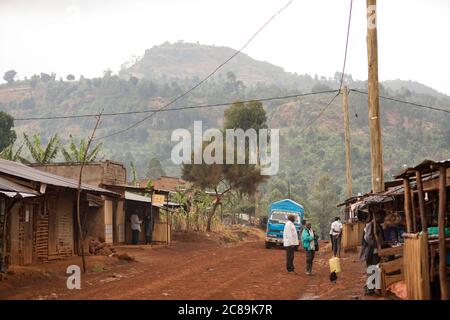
{"x": 312, "y": 161}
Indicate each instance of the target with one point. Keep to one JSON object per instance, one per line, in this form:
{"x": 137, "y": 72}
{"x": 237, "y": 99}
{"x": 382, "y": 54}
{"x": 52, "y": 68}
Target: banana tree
{"x": 76, "y": 152}
{"x": 8, "y": 153}
{"x": 40, "y": 153}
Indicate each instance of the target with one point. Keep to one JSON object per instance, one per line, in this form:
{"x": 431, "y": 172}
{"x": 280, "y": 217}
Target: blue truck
{"x": 279, "y": 212}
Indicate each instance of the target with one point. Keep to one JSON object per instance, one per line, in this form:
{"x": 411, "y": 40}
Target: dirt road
{"x": 196, "y": 270}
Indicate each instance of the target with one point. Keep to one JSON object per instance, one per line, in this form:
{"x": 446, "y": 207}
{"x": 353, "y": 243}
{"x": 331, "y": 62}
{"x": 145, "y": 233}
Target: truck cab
{"x": 279, "y": 212}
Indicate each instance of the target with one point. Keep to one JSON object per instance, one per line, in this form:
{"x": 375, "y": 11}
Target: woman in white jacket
{"x": 290, "y": 242}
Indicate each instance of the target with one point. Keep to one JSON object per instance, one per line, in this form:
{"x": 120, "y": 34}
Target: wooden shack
{"x": 39, "y": 224}
{"x": 106, "y": 220}
{"x": 426, "y": 192}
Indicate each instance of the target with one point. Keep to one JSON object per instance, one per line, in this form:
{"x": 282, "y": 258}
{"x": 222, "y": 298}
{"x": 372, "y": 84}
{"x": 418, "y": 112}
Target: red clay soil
{"x": 195, "y": 266}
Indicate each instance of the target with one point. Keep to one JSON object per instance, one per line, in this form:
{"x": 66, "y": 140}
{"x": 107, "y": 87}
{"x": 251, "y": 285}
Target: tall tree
{"x": 76, "y": 153}
{"x": 7, "y": 135}
{"x": 223, "y": 178}
{"x": 40, "y": 153}
{"x": 9, "y": 76}
{"x": 155, "y": 169}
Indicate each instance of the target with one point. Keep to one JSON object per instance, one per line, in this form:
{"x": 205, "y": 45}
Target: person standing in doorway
{"x": 290, "y": 242}
{"x": 135, "y": 228}
{"x": 148, "y": 229}
{"x": 336, "y": 234}
{"x": 310, "y": 243}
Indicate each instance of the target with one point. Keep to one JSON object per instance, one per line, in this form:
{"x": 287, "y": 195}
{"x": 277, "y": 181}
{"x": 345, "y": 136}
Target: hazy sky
{"x": 87, "y": 37}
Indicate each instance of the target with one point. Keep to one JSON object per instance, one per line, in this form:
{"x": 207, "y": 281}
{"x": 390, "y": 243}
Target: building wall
{"x": 92, "y": 173}
{"x": 42, "y": 228}
{"x": 108, "y": 221}
{"x": 61, "y": 217}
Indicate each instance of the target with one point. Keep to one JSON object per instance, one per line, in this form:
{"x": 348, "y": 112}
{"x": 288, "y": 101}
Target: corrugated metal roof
{"x": 22, "y": 171}
{"x": 136, "y": 197}
{"x": 10, "y": 186}
{"x": 424, "y": 167}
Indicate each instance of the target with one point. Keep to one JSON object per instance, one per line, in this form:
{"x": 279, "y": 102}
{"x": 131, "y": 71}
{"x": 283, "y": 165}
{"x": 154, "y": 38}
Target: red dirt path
{"x": 204, "y": 269}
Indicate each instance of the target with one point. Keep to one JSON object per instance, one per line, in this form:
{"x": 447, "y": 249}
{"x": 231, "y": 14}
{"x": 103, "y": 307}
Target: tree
{"x": 39, "y": 153}
{"x": 8, "y": 153}
{"x": 224, "y": 178}
{"x": 45, "y": 77}
{"x": 245, "y": 116}
{"x": 134, "y": 80}
{"x": 155, "y": 169}
{"x": 9, "y": 76}
{"x": 134, "y": 177}
{"x": 7, "y": 135}
{"x": 70, "y": 77}
{"x": 75, "y": 153}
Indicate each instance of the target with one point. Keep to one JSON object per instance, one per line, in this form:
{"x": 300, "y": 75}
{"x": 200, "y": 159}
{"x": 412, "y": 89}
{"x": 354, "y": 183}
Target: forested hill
{"x": 312, "y": 160}
{"x": 188, "y": 60}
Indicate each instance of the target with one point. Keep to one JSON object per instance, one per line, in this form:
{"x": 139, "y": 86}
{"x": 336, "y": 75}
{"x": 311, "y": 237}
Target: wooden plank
{"x": 441, "y": 224}
{"x": 390, "y": 251}
{"x": 392, "y": 266}
{"x": 407, "y": 204}
{"x": 392, "y": 279}
{"x": 423, "y": 220}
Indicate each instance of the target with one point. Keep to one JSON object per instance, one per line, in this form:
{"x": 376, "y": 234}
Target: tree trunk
{"x": 211, "y": 215}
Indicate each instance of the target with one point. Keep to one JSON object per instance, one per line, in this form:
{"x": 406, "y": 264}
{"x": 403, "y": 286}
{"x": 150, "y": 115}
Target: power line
{"x": 321, "y": 112}
{"x": 177, "y": 109}
{"x": 346, "y": 44}
{"x": 204, "y": 79}
{"x": 406, "y": 102}
{"x": 342, "y": 75}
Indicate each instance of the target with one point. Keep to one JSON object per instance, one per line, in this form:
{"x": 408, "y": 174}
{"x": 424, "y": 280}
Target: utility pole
{"x": 376, "y": 155}
{"x": 348, "y": 162}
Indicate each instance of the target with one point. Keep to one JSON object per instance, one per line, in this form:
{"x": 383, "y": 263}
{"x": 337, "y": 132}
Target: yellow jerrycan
{"x": 335, "y": 264}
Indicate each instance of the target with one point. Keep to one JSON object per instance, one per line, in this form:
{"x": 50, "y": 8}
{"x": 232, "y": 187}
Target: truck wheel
{"x": 268, "y": 245}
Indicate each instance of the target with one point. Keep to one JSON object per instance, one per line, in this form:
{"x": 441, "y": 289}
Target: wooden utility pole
{"x": 441, "y": 225}
{"x": 348, "y": 162}
{"x": 376, "y": 156}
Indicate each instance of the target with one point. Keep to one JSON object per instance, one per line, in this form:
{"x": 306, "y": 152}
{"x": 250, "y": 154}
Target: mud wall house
{"x": 39, "y": 213}
{"x": 106, "y": 218}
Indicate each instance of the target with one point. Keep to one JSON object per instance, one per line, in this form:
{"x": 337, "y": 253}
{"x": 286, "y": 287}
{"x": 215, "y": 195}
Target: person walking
{"x": 310, "y": 244}
{"x": 336, "y": 235}
{"x": 290, "y": 242}
{"x": 135, "y": 228}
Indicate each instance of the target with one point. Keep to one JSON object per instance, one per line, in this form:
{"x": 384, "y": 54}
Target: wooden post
{"x": 167, "y": 220}
{"x": 413, "y": 208}
{"x": 441, "y": 225}
{"x": 407, "y": 203}
{"x": 423, "y": 220}
{"x": 348, "y": 163}
{"x": 376, "y": 155}
{"x": 80, "y": 178}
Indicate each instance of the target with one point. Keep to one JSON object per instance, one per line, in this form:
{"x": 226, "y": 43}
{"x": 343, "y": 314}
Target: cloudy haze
{"x": 87, "y": 37}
